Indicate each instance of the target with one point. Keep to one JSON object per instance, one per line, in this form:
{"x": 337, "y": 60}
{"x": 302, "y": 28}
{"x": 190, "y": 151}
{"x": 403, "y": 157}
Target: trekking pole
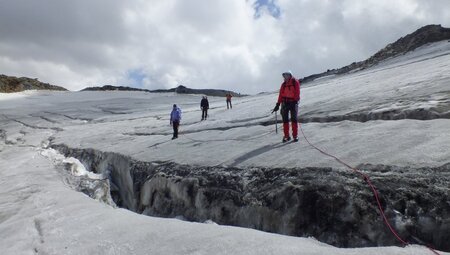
{"x": 276, "y": 123}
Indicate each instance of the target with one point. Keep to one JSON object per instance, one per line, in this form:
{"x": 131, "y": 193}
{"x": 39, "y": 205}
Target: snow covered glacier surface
{"x": 392, "y": 120}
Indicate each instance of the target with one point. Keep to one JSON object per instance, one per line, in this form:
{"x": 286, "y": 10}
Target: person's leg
{"x": 294, "y": 119}
{"x": 206, "y": 113}
{"x": 175, "y": 129}
{"x": 228, "y": 104}
{"x": 231, "y": 106}
{"x": 203, "y": 113}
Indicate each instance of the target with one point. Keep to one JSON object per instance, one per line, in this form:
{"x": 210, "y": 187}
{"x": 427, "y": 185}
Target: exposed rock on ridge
{"x": 114, "y": 88}
{"x": 179, "y": 90}
{"x": 410, "y": 42}
{"x": 10, "y": 84}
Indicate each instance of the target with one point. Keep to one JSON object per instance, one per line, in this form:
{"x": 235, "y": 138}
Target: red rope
{"x": 372, "y": 187}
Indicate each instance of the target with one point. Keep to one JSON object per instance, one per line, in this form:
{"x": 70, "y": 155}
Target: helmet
{"x": 287, "y": 72}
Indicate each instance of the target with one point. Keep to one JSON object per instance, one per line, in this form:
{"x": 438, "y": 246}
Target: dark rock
{"x": 209, "y": 92}
{"x": 410, "y": 42}
{"x": 179, "y": 90}
{"x": 114, "y": 88}
{"x": 9, "y": 84}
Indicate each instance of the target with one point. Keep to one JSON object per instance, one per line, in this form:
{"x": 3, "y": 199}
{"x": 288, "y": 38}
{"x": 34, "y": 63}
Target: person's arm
{"x": 279, "y": 95}
{"x": 297, "y": 90}
{"x": 277, "y": 105}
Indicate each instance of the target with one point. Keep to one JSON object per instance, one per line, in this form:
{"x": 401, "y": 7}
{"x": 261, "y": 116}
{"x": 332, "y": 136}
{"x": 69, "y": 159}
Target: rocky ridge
{"x": 114, "y": 88}
{"x": 179, "y": 90}
{"x": 9, "y": 84}
{"x": 408, "y": 43}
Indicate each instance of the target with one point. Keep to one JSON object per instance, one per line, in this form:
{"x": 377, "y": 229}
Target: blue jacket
{"x": 175, "y": 115}
{"x": 204, "y": 103}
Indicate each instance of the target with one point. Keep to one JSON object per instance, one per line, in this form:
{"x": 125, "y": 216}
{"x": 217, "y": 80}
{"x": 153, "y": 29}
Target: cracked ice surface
{"x": 40, "y": 213}
{"x": 235, "y": 137}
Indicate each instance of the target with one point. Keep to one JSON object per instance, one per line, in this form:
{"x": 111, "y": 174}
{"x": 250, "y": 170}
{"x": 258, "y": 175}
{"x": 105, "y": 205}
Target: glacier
{"x": 59, "y": 150}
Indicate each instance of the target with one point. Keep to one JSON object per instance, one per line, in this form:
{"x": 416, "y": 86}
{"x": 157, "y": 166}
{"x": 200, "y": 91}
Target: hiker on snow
{"x": 229, "y": 96}
{"x": 175, "y": 117}
{"x": 204, "y": 105}
{"x": 289, "y": 98}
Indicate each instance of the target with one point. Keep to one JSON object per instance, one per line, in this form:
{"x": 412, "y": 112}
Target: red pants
{"x": 294, "y": 129}
{"x": 290, "y": 109}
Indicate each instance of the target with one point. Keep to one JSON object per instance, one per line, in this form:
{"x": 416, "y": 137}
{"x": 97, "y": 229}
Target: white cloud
{"x": 198, "y": 43}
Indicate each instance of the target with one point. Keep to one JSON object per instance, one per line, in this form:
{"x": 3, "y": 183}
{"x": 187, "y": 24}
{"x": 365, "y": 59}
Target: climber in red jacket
{"x": 289, "y": 98}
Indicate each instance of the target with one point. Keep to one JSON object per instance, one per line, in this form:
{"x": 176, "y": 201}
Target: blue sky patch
{"x": 137, "y": 77}
{"x": 267, "y": 5}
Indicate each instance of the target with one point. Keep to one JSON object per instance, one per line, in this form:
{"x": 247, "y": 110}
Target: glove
{"x": 277, "y": 107}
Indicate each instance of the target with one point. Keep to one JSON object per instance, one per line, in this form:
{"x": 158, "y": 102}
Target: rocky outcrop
{"x": 209, "y": 92}
{"x": 10, "y": 84}
{"x": 179, "y": 90}
{"x": 410, "y": 42}
{"x": 422, "y": 36}
{"x": 333, "y": 205}
{"x": 114, "y": 88}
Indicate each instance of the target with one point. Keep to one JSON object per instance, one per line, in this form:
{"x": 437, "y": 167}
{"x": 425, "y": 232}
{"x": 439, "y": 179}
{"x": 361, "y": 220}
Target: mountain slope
{"x": 422, "y": 36}
{"x": 10, "y": 84}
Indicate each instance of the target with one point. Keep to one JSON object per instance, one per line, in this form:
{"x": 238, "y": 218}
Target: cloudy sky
{"x": 243, "y": 45}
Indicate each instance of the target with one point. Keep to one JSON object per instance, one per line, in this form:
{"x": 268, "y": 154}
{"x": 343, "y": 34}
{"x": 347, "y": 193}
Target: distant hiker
{"x": 229, "y": 96}
{"x": 175, "y": 118}
{"x": 204, "y": 105}
{"x": 289, "y": 98}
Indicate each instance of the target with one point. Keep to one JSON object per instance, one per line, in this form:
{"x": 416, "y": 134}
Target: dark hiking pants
{"x": 204, "y": 113}
{"x": 175, "y": 125}
{"x": 290, "y": 109}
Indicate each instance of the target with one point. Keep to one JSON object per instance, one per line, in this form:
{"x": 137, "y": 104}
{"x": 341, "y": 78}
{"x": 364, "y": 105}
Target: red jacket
{"x": 289, "y": 91}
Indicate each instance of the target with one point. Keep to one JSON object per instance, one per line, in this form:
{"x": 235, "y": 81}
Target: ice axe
{"x": 276, "y": 121}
